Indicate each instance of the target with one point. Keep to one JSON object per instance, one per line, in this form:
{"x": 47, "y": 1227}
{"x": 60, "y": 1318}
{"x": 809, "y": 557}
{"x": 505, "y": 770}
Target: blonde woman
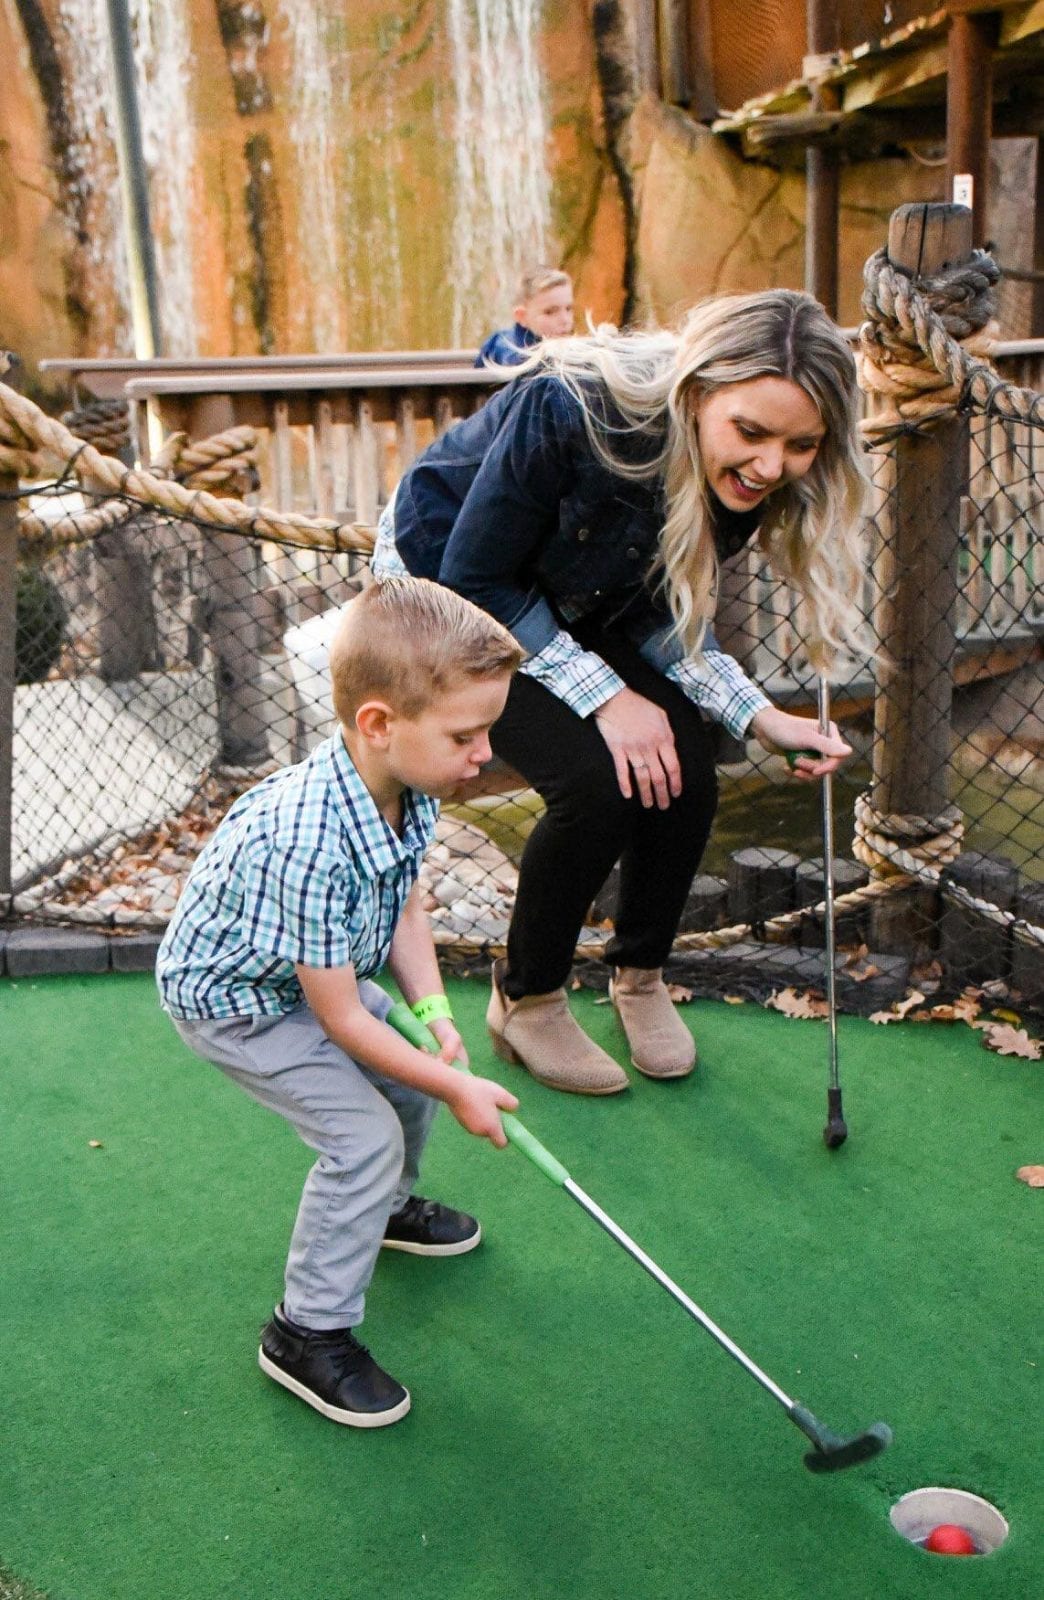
{"x": 586, "y": 507}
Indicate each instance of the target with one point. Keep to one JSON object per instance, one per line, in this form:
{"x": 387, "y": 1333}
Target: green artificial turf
{"x": 573, "y": 1433}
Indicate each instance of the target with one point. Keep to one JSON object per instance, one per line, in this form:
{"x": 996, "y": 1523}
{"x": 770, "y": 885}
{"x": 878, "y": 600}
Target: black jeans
{"x": 588, "y": 826}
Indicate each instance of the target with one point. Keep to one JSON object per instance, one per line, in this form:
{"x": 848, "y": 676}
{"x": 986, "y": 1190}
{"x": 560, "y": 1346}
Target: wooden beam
{"x": 1037, "y": 297}
{"x": 969, "y": 110}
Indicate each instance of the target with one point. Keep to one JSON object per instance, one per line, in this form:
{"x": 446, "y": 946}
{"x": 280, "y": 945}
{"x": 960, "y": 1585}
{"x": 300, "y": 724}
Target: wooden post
{"x": 822, "y": 175}
{"x": 761, "y": 883}
{"x": 972, "y": 948}
{"x": 231, "y": 611}
{"x": 918, "y": 579}
{"x": 917, "y": 576}
{"x": 1036, "y": 322}
{"x": 969, "y": 109}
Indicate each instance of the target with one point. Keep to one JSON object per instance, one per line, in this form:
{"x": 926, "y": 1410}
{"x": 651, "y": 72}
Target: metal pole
{"x": 636, "y": 1252}
{"x": 141, "y": 261}
{"x": 828, "y": 886}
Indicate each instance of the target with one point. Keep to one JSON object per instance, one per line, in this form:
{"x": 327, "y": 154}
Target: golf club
{"x": 832, "y": 1452}
{"x": 836, "y": 1131}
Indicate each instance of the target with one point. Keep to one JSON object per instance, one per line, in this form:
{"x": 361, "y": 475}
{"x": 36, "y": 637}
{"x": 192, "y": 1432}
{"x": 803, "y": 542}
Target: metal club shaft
{"x": 828, "y": 888}
{"x": 636, "y": 1252}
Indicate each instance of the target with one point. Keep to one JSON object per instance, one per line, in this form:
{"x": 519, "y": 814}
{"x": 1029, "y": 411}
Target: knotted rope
{"x": 920, "y": 350}
{"x": 103, "y": 423}
{"x": 32, "y": 445}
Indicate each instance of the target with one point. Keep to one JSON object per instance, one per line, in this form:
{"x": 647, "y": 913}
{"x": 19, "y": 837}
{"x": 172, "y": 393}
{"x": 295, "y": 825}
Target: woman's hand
{"x": 777, "y": 731}
{"x": 641, "y": 742}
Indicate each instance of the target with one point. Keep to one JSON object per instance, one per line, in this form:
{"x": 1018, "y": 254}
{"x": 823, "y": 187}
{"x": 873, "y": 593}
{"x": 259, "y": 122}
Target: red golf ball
{"x": 948, "y": 1539}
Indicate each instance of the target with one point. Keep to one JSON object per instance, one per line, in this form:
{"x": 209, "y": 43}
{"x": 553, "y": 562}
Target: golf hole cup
{"x": 917, "y": 1513}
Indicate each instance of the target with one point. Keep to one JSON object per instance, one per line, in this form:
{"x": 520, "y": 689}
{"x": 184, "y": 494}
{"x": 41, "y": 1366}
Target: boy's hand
{"x": 451, "y": 1045}
{"x": 477, "y": 1104}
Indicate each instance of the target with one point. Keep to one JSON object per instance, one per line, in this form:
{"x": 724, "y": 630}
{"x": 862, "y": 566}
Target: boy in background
{"x": 544, "y": 311}
{"x": 307, "y": 888}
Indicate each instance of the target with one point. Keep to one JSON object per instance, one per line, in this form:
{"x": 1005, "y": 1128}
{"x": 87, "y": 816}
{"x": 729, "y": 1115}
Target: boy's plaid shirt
{"x": 304, "y": 868}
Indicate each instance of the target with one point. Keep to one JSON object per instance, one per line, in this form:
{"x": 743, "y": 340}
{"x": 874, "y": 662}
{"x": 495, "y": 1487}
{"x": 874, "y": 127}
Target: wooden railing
{"x": 338, "y": 431}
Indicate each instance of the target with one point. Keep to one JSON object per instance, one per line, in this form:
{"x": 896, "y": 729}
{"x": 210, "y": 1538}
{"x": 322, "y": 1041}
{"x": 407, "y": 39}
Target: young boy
{"x": 544, "y": 311}
{"x": 307, "y": 888}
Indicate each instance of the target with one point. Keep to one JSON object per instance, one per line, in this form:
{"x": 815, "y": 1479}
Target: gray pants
{"x": 369, "y": 1132}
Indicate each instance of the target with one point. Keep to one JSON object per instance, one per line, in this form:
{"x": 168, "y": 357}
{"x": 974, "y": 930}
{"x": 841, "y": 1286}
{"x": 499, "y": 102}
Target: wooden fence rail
{"x": 337, "y": 432}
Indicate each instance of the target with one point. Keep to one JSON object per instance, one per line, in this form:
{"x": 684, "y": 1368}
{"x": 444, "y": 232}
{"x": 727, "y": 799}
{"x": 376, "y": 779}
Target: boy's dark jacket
{"x": 514, "y": 509}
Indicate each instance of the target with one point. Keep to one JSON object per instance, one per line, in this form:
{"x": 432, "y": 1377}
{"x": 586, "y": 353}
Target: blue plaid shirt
{"x": 304, "y": 868}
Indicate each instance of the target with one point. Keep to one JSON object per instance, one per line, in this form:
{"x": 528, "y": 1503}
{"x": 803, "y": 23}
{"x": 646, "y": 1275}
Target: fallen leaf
{"x": 854, "y": 956}
{"x": 899, "y": 1008}
{"x": 734, "y": 1000}
{"x": 95, "y": 1144}
{"x": 576, "y": 984}
{"x": 927, "y": 972}
{"x": 861, "y": 974}
{"x": 958, "y": 1012}
{"x": 793, "y": 1004}
{"x": 1007, "y": 1016}
{"x": 968, "y": 1005}
{"x": 603, "y": 1000}
{"x": 1004, "y": 1040}
{"x": 1034, "y": 1176}
{"x": 678, "y": 993}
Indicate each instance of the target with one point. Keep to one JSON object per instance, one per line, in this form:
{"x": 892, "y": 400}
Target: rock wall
{"x": 327, "y": 176}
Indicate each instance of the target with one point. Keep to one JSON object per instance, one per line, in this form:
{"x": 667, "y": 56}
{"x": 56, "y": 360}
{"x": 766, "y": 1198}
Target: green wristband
{"x": 432, "y": 1007}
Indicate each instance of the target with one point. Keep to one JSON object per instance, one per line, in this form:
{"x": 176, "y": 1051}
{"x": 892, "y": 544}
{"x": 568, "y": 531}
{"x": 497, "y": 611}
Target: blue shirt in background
{"x": 508, "y": 346}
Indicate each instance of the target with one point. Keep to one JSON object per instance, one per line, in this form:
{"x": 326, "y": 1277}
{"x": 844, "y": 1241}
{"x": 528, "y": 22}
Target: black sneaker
{"x": 424, "y": 1228}
{"x": 332, "y": 1372}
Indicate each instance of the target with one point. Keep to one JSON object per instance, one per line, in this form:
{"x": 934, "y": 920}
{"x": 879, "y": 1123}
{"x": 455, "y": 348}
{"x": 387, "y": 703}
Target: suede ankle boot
{"x": 661, "y": 1044}
{"x": 540, "y": 1033}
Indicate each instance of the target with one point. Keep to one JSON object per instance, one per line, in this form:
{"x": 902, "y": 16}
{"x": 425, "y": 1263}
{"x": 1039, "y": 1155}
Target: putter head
{"x": 832, "y": 1453}
{"x": 836, "y": 1131}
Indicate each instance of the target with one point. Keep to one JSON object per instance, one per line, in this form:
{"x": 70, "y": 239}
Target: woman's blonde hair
{"x": 408, "y": 641}
{"x": 636, "y": 384}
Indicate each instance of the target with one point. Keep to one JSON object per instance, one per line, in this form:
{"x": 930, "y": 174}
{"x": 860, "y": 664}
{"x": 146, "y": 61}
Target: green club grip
{"x": 792, "y": 756}
{"x": 401, "y": 1018}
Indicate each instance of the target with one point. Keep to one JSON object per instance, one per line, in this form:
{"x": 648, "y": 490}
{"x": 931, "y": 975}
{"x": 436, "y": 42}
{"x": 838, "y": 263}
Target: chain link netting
{"x": 166, "y": 661}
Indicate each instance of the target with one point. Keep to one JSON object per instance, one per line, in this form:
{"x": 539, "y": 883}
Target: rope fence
{"x": 170, "y": 651}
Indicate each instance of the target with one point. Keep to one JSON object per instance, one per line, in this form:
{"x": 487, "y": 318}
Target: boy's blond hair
{"x": 537, "y": 279}
{"x": 406, "y": 641}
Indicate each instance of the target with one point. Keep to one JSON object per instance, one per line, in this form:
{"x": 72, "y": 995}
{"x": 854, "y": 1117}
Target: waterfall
{"x": 163, "y": 65}
{"x": 81, "y": 37}
{"x": 163, "y": 58}
{"x": 503, "y": 205}
{"x": 318, "y": 315}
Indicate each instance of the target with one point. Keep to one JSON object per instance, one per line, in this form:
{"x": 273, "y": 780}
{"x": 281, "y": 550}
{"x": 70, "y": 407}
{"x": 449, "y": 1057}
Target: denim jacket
{"x": 514, "y": 509}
